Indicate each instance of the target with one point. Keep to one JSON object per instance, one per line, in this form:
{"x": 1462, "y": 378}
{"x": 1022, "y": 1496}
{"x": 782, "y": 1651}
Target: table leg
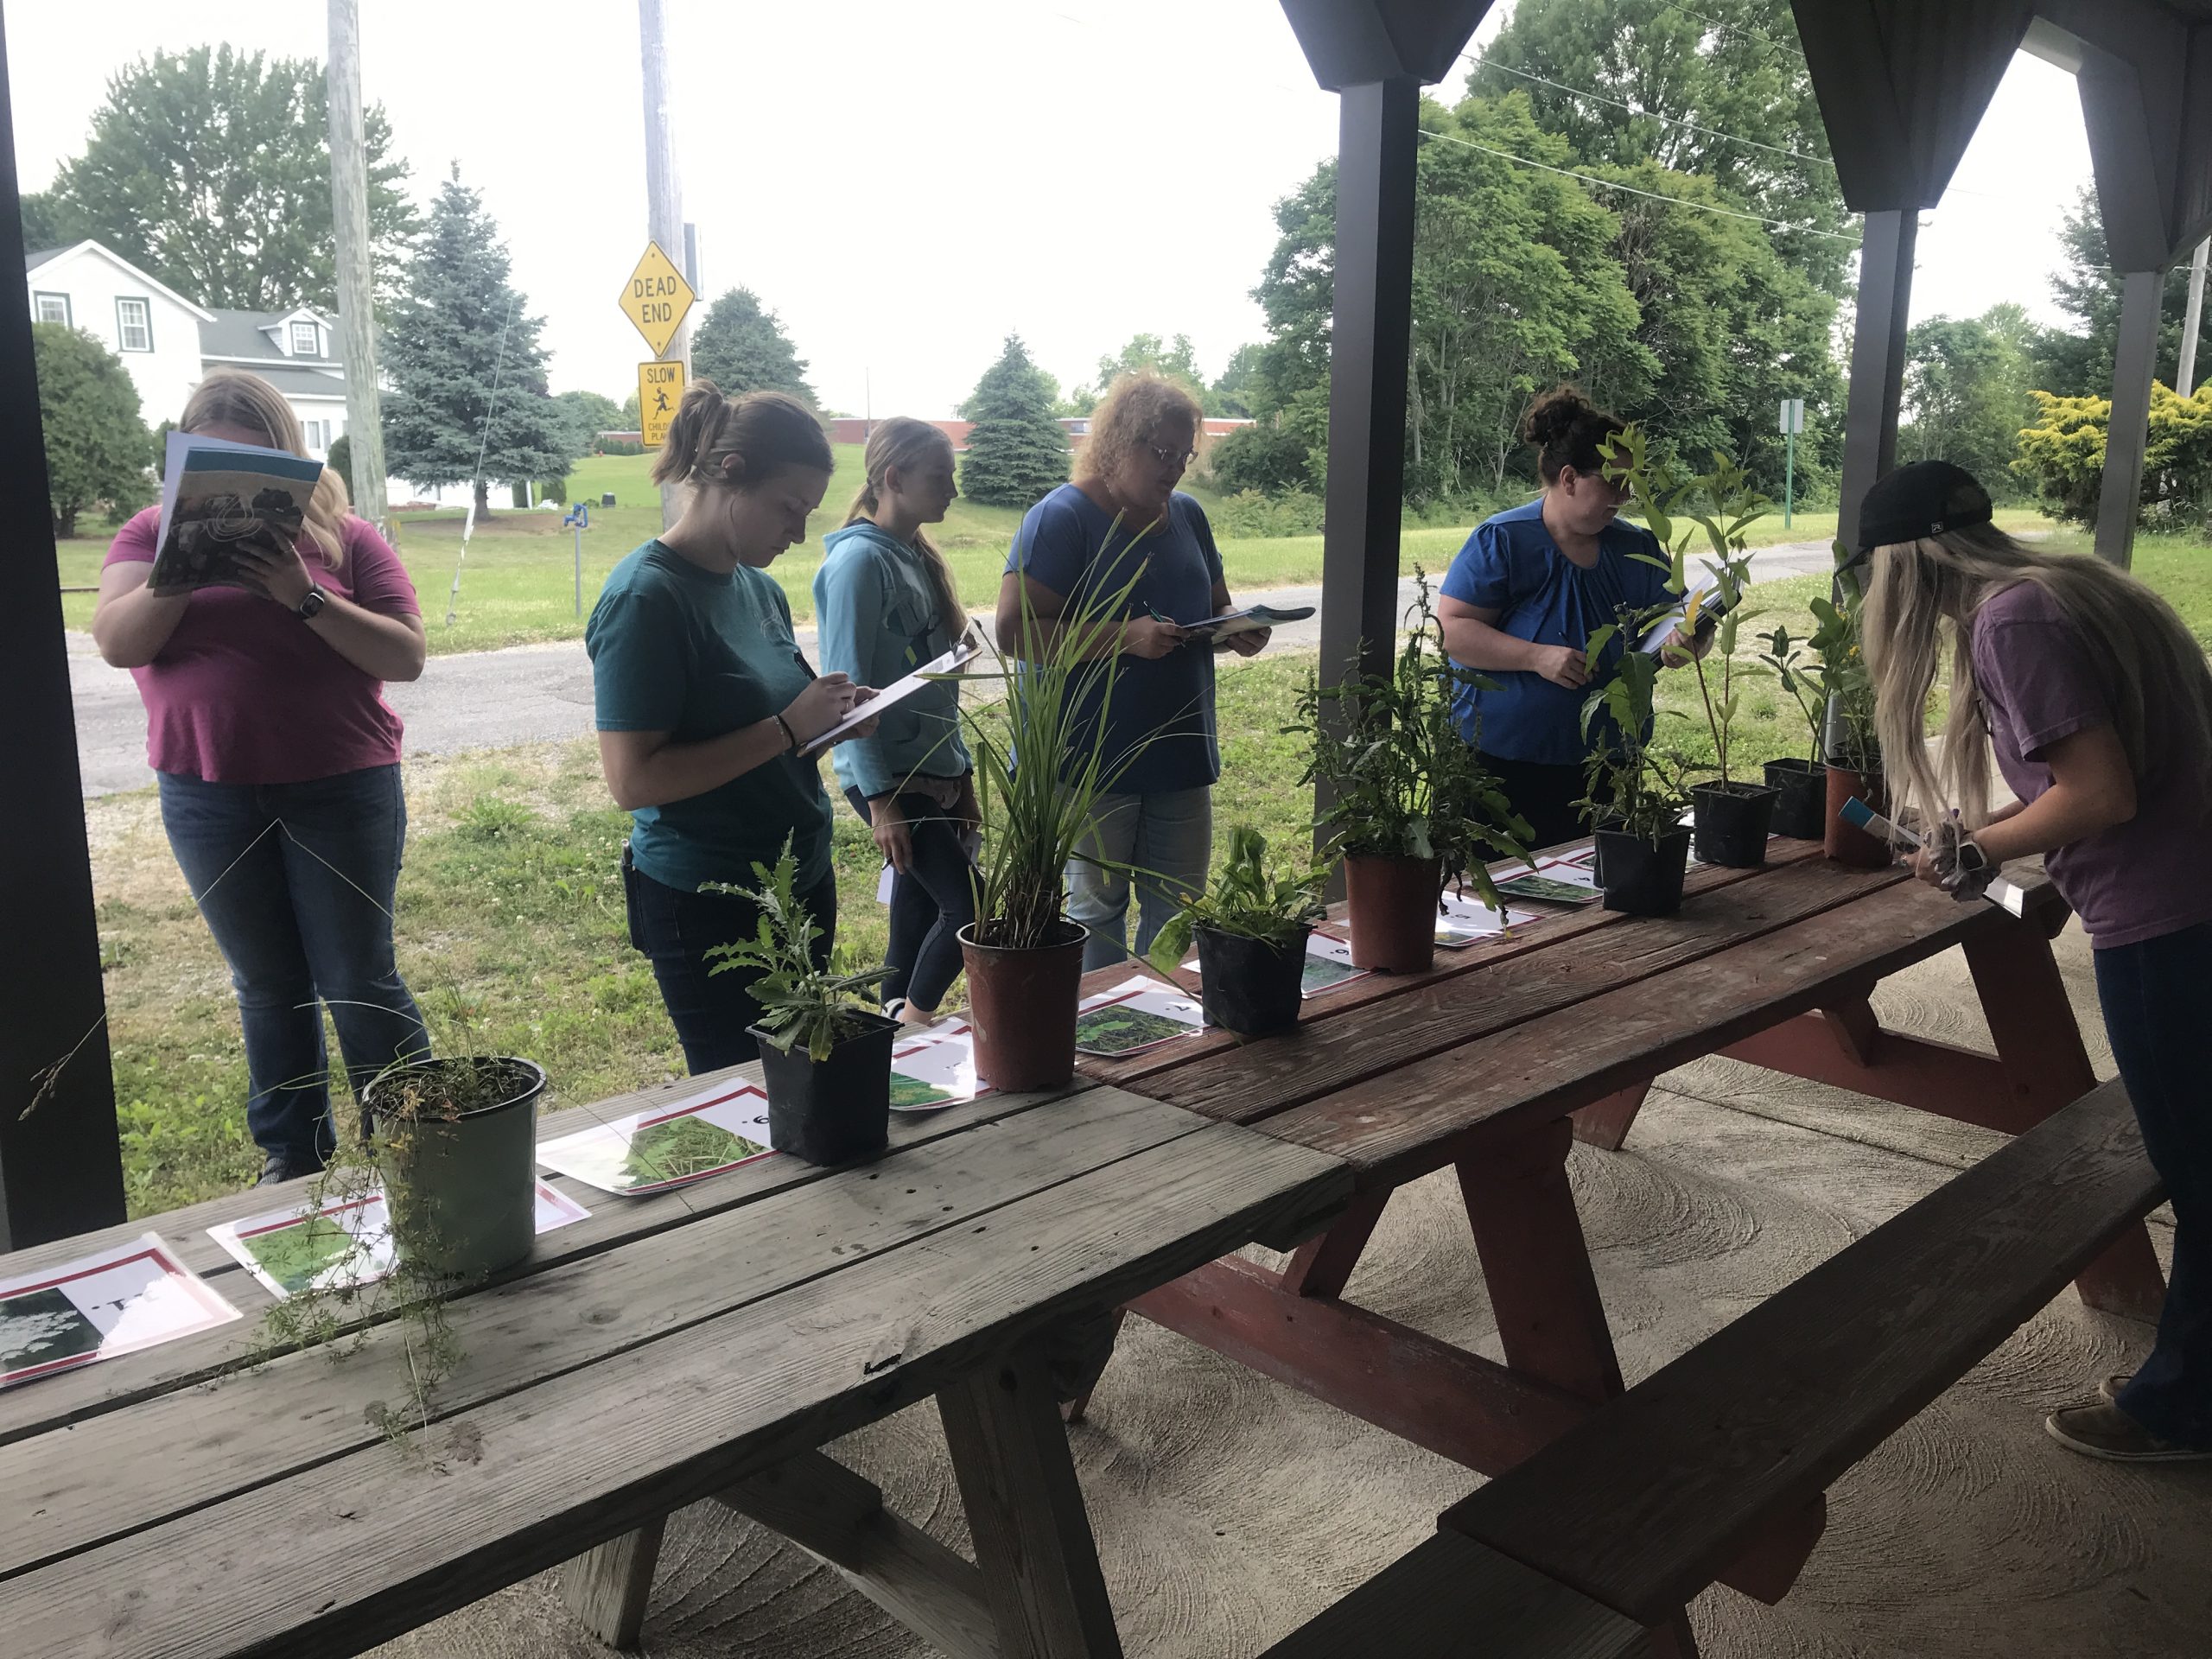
{"x": 1025, "y": 1508}
{"x": 607, "y": 1588}
{"x": 2039, "y": 1045}
{"x": 1537, "y": 1264}
{"x": 1605, "y": 1123}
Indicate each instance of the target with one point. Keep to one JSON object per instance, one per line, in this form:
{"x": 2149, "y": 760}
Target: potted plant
{"x": 1854, "y": 754}
{"x": 825, "y": 1052}
{"x": 1635, "y": 795}
{"x": 1041, "y": 768}
{"x": 1251, "y": 927}
{"x": 1732, "y": 817}
{"x": 1800, "y": 786}
{"x": 1411, "y": 805}
{"x": 456, "y": 1139}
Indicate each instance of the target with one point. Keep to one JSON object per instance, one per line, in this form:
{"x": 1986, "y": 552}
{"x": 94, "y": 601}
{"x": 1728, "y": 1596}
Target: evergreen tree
{"x": 98, "y": 449}
{"x": 1017, "y": 452}
{"x": 742, "y": 346}
{"x": 468, "y": 372}
{"x": 210, "y": 170}
{"x": 2078, "y": 362}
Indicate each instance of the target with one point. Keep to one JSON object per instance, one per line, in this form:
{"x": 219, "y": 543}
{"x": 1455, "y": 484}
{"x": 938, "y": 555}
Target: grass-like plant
{"x": 1405, "y": 784}
{"x": 1249, "y": 899}
{"x": 800, "y": 1003}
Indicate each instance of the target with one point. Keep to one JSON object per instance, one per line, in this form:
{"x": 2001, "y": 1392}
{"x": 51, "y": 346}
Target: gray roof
{"x": 301, "y": 382}
{"x": 33, "y": 260}
{"x": 238, "y": 333}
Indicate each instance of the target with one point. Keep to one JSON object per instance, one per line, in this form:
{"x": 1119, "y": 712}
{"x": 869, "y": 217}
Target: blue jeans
{"x": 929, "y": 904}
{"x": 295, "y": 881}
{"x": 675, "y": 929}
{"x": 1166, "y": 836}
{"x": 2153, "y": 994}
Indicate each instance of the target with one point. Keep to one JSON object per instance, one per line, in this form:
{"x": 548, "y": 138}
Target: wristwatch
{"x": 311, "y": 606}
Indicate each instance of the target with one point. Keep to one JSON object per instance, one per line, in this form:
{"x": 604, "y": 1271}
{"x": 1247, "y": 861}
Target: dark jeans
{"x": 931, "y": 902}
{"x": 2153, "y": 996}
{"x": 675, "y": 929}
{"x": 1544, "y": 795}
{"x": 295, "y": 881}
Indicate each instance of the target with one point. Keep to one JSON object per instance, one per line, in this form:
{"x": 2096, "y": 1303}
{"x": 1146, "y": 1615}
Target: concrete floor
{"x": 1228, "y": 1508}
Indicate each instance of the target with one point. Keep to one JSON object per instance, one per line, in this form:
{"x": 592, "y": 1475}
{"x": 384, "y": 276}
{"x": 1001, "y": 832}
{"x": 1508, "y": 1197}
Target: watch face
{"x": 312, "y": 605}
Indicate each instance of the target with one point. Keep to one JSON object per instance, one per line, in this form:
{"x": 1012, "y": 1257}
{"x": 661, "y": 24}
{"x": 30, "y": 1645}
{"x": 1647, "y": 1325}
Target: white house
{"x": 169, "y": 344}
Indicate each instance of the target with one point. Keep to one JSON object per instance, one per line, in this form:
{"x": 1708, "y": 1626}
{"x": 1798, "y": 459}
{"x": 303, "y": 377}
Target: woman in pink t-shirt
{"x": 2096, "y": 703}
{"x": 278, "y": 761}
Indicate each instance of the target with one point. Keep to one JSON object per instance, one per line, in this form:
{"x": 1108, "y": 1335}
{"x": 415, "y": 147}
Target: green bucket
{"x": 462, "y": 1188}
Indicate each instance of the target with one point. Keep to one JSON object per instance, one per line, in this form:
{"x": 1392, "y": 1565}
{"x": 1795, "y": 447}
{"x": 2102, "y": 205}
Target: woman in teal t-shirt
{"x": 704, "y": 702}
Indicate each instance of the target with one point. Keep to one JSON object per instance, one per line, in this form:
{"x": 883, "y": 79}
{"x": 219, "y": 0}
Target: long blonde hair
{"x": 904, "y": 442}
{"x": 240, "y": 397}
{"x": 1134, "y": 408}
{"x": 2150, "y": 670}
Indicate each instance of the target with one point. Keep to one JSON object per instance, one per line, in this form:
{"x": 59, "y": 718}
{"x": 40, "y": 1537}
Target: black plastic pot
{"x": 1731, "y": 823}
{"x": 1643, "y": 878}
{"x": 835, "y": 1110}
{"x": 1801, "y": 804}
{"x": 1250, "y": 986}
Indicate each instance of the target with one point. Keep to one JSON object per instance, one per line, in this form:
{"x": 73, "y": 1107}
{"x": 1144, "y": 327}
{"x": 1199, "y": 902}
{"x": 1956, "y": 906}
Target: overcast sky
{"x": 905, "y": 182}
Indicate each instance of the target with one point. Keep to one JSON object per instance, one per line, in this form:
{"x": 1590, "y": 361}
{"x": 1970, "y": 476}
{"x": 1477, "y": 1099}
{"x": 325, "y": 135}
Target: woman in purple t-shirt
{"x": 278, "y": 761}
{"x": 2097, "y": 704}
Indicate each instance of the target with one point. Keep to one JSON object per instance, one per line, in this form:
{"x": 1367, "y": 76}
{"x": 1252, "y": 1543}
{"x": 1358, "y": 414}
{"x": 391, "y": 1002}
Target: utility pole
{"x": 664, "y": 192}
{"x": 349, "y": 211}
{"x": 2185, "y": 377}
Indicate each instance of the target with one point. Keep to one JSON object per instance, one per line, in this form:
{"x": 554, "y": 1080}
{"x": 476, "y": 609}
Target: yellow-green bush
{"x": 2062, "y": 456}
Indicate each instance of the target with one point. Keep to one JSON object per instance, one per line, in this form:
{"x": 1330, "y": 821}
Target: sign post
{"x": 1793, "y": 423}
{"x": 579, "y": 519}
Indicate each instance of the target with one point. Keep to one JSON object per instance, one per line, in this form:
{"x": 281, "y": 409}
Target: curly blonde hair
{"x": 1135, "y": 409}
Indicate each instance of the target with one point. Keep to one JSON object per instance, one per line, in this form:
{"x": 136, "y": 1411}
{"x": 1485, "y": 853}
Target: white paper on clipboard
{"x": 891, "y": 696}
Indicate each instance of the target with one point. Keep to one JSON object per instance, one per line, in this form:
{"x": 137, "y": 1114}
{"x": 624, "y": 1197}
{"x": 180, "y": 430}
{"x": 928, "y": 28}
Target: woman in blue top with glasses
{"x": 1520, "y": 601}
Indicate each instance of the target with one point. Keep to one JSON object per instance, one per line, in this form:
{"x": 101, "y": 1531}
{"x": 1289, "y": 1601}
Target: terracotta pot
{"x": 1844, "y": 842}
{"x": 1393, "y": 912}
{"x": 1022, "y": 1006}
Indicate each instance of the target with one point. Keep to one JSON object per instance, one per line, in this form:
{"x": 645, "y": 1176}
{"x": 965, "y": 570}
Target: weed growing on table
{"x": 1405, "y": 783}
{"x": 800, "y": 1003}
{"x": 1249, "y": 899}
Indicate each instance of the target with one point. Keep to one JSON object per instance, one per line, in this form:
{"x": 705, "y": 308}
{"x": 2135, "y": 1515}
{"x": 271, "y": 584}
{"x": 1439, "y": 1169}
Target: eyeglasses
{"x": 1167, "y": 457}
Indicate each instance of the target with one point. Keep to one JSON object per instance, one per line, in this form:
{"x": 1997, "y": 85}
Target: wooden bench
{"x": 1653, "y": 1498}
{"x": 1454, "y": 1599}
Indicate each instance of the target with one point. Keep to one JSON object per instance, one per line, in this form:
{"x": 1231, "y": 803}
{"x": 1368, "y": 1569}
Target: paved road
{"x": 493, "y": 699}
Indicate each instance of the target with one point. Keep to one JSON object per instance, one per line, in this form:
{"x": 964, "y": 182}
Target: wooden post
{"x": 60, "y": 1166}
{"x": 2192, "y": 319}
{"x": 349, "y": 212}
{"x": 607, "y": 1588}
{"x": 664, "y": 192}
{"x": 1870, "y": 433}
{"x": 2135, "y": 359}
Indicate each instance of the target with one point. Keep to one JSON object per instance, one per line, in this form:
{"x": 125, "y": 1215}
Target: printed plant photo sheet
{"x": 1559, "y": 880}
{"x": 1137, "y": 1014}
{"x": 648, "y": 1152}
{"x": 343, "y": 1243}
{"x": 935, "y": 1068}
{"x": 1465, "y": 921}
{"x": 115, "y": 1302}
{"x": 1328, "y": 965}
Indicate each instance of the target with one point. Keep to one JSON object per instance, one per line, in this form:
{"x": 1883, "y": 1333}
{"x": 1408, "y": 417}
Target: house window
{"x": 133, "y": 324}
{"x": 305, "y": 342}
{"x": 317, "y": 433}
{"x": 53, "y": 308}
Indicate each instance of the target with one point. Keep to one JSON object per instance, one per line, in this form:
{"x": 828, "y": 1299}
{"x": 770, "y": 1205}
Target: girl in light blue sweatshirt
{"x": 885, "y": 601}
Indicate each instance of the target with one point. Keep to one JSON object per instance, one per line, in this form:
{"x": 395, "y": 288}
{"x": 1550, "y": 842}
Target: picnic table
{"x": 1492, "y": 1063}
{"x": 702, "y": 1342}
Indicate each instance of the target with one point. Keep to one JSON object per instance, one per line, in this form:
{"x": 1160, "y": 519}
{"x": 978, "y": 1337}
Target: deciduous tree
{"x": 98, "y": 449}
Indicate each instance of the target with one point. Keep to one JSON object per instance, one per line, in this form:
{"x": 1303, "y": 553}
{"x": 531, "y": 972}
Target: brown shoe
{"x": 2106, "y": 1432}
{"x": 2108, "y": 1390}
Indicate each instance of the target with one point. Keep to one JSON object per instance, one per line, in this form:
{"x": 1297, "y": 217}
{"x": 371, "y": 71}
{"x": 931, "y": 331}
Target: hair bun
{"x": 1555, "y": 415}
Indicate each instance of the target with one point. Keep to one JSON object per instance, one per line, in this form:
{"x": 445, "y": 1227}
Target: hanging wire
{"x": 483, "y": 447}
{"x": 1649, "y": 115}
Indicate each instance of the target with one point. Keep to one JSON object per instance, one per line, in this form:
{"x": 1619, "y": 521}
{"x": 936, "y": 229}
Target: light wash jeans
{"x": 1166, "y": 836}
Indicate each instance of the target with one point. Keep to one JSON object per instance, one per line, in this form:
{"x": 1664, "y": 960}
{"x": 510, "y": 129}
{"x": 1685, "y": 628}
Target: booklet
{"x": 1136, "y": 1015}
{"x": 97, "y": 1306}
{"x": 892, "y": 694}
{"x": 342, "y": 1244}
{"x": 1251, "y": 617}
{"x": 218, "y": 498}
{"x": 713, "y": 1130}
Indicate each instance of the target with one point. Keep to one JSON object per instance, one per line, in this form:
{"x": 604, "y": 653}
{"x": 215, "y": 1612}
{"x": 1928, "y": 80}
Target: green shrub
{"x": 2062, "y": 456}
{"x": 1249, "y": 514}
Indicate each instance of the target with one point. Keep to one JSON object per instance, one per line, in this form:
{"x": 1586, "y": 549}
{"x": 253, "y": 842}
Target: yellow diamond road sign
{"x": 660, "y": 389}
{"x": 657, "y": 298}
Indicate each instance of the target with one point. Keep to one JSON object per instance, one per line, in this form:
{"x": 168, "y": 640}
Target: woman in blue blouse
{"x": 1523, "y": 599}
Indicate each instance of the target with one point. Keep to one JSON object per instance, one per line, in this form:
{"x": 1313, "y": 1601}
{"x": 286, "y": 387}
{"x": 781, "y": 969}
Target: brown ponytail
{"x": 1567, "y": 430}
{"x": 735, "y": 443}
{"x": 903, "y": 441}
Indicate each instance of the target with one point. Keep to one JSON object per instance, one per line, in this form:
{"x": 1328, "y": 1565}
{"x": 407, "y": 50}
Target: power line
{"x": 1719, "y": 27}
{"x": 1654, "y": 195}
{"x": 1649, "y": 115}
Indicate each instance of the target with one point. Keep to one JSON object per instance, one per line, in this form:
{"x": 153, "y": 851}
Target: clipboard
{"x": 890, "y": 697}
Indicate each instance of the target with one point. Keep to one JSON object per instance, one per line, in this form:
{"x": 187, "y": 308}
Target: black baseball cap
{"x": 1925, "y": 499}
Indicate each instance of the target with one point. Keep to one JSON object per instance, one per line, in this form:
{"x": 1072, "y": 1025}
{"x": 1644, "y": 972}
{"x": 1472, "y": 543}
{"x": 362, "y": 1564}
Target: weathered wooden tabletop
{"x": 659, "y": 1352}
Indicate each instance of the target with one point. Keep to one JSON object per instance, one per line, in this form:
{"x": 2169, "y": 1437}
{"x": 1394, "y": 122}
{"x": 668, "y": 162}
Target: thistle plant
{"x": 800, "y": 1002}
